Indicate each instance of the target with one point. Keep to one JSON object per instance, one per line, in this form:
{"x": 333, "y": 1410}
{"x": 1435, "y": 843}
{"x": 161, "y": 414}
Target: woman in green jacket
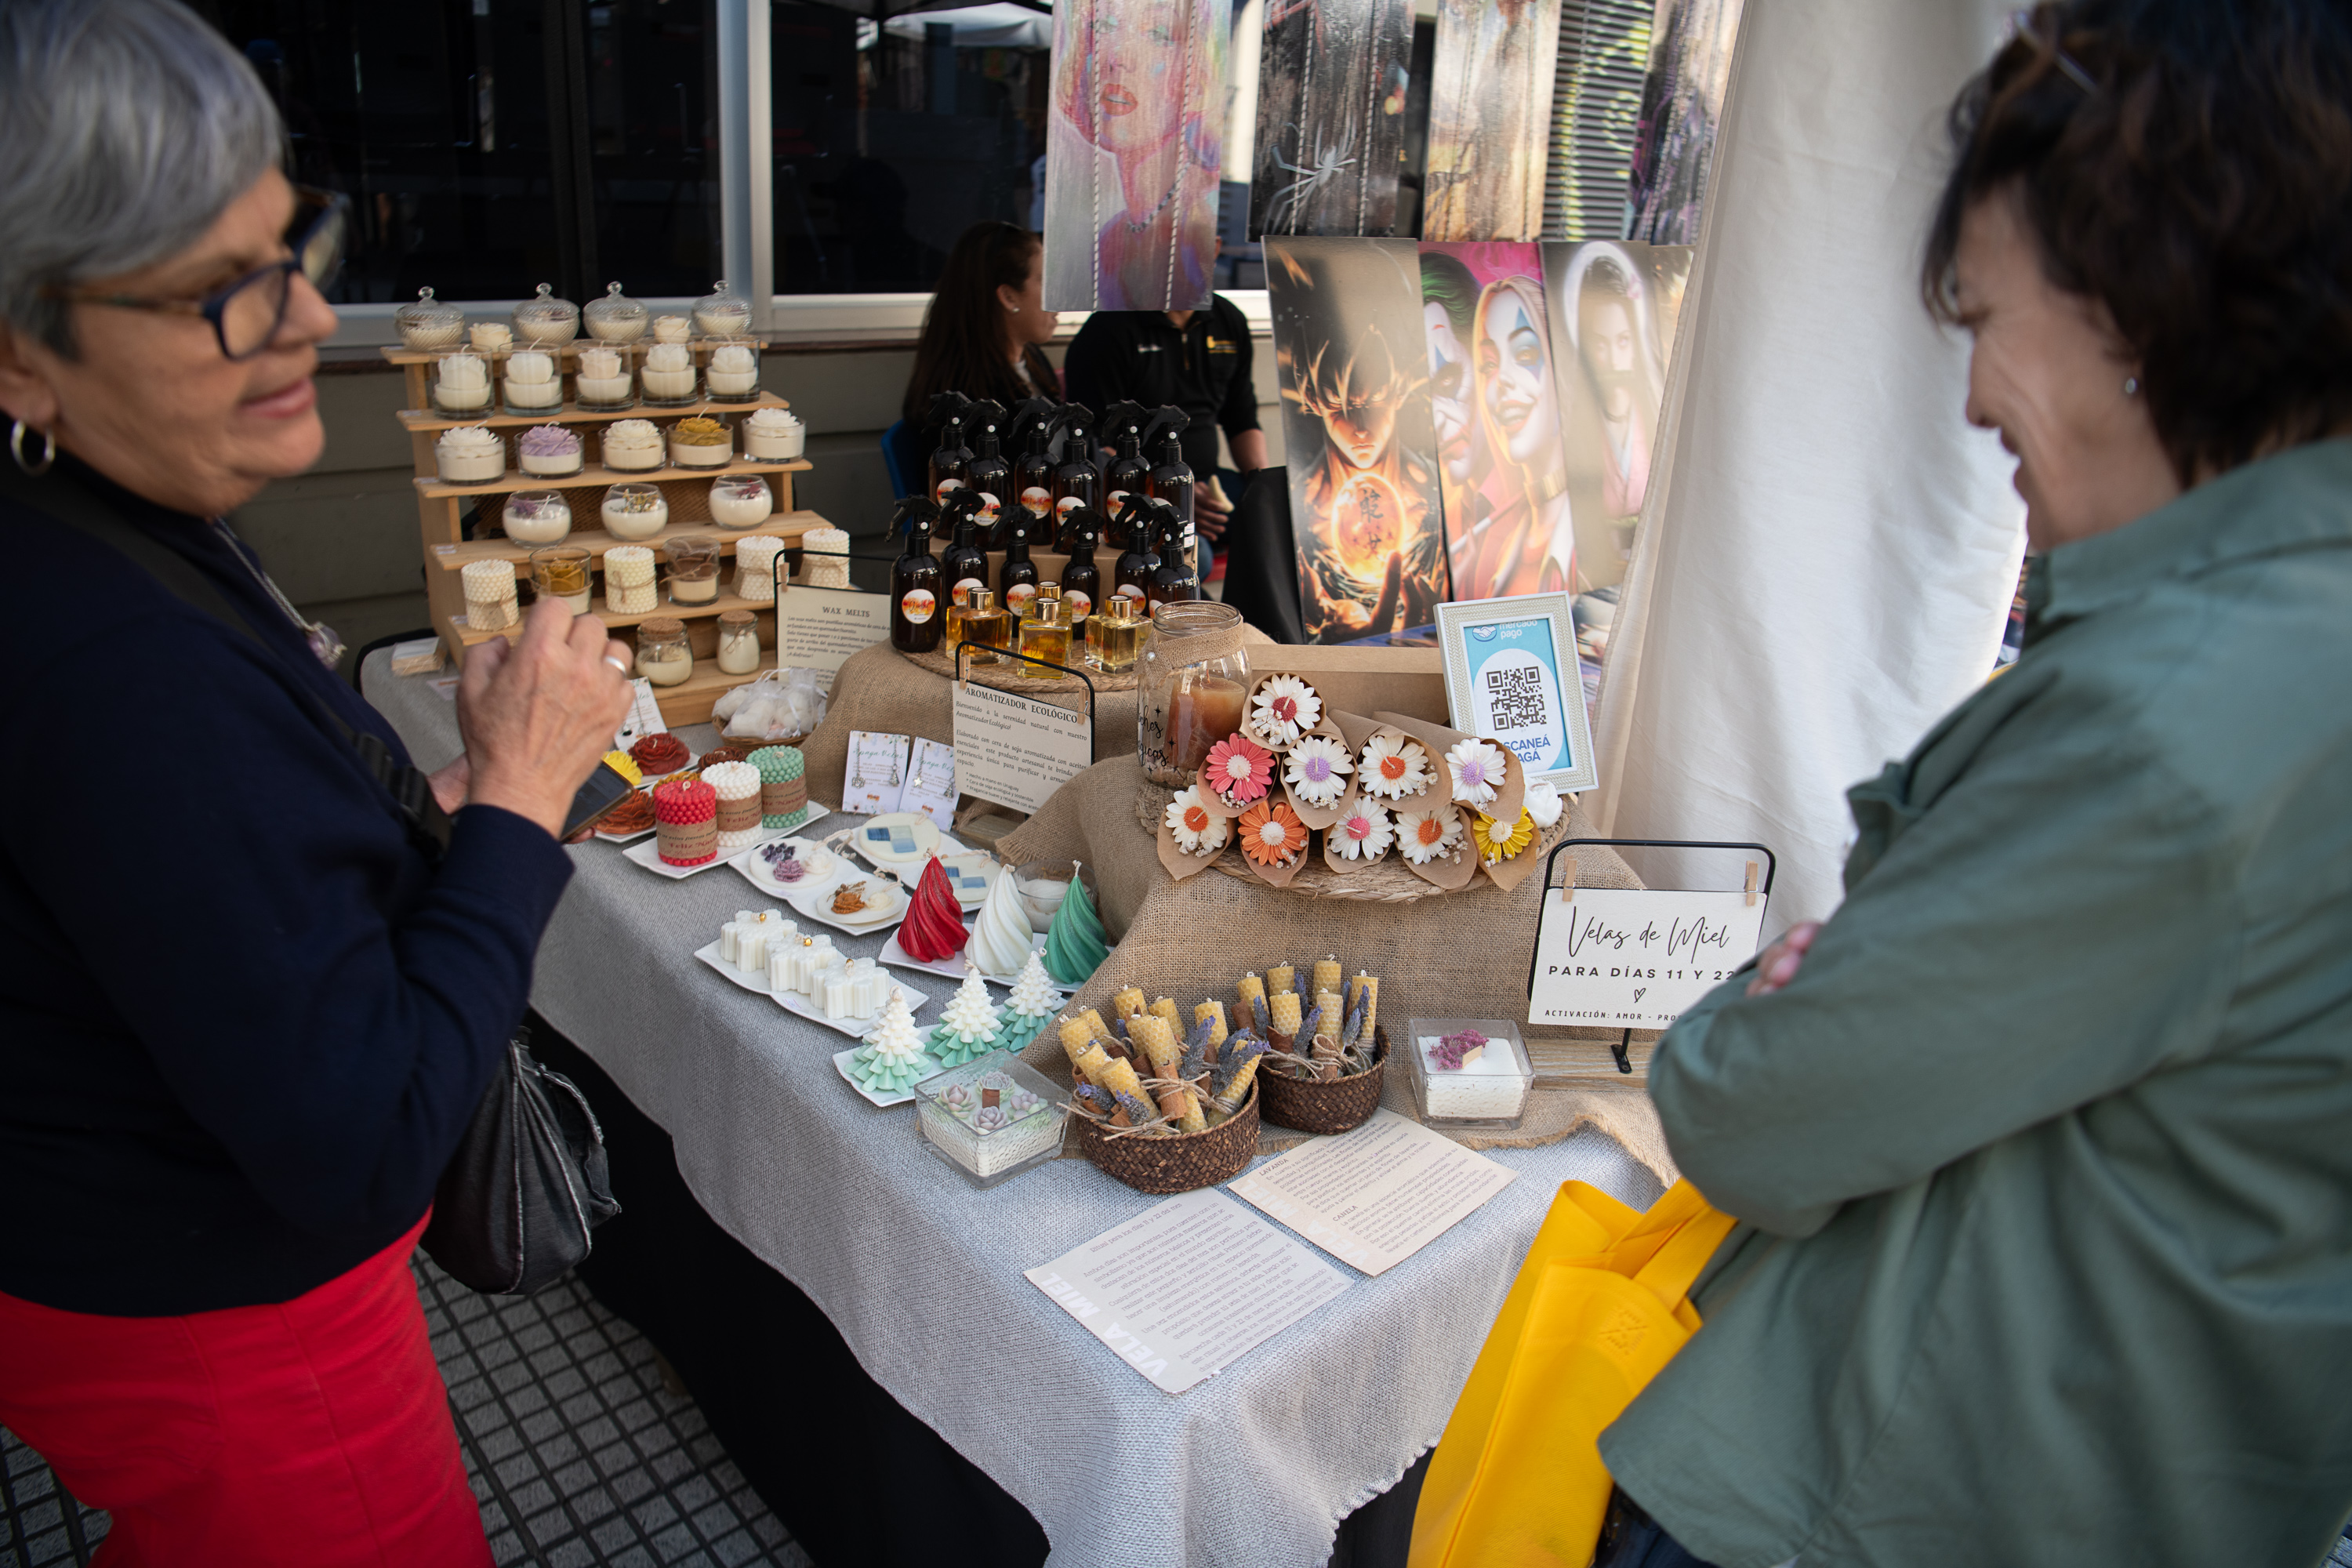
{"x": 2042, "y": 1144}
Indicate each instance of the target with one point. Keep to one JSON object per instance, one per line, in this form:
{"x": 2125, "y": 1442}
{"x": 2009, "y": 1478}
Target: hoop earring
{"x": 16, "y": 450}
{"x": 2131, "y": 386}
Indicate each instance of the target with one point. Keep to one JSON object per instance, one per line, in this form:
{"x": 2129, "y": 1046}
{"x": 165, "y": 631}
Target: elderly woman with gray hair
{"x": 242, "y": 1026}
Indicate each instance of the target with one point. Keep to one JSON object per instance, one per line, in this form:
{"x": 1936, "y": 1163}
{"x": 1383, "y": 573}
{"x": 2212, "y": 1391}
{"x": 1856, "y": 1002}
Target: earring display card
{"x": 876, "y": 772}
{"x": 930, "y": 784}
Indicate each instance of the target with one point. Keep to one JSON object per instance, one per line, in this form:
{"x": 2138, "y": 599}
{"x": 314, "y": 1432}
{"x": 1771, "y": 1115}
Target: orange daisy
{"x": 1271, "y": 834}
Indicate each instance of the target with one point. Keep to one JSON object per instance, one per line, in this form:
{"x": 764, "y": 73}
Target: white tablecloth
{"x": 922, "y": 1274}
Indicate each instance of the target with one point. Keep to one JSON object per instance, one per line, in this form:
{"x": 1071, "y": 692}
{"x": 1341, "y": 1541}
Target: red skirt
{"x": 312, "y": 1433}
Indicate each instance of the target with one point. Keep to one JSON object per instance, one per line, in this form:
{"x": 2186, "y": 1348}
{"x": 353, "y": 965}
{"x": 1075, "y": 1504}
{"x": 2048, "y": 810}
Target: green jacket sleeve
{"x": 1929, "y": 1018}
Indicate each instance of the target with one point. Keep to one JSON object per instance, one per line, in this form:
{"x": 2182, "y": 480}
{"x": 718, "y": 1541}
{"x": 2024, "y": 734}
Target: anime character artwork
{"x": 1363, "y": 488}
{"x": 1332, "y": 76}
{"x": 1612, "y": 318}
{"x": 1495, "y": 408}
{"x": 1490, "y": 118}
{"x": 1134, "y": 152}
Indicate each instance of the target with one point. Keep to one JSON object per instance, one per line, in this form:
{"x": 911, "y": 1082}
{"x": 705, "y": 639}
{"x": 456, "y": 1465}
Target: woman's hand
{"x": 1782, "y": 959}
{"x": 538, "y": 714}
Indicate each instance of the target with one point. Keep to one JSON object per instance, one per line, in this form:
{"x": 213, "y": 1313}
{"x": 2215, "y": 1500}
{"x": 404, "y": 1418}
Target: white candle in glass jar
{"x": 461, "y": 383}
{"x": 668, "y": 372}
{"x": 734, "y": 371}
{"x": 469, "y": 454}
{"x": 531, "y": 381}
{"x": 604, "y": 377}
{"x": 538, "y": 516}
{"x": 634, "y": 444}
{"x": 739, "y": 643}
{"x": 740, "y": 502}
{"x": 635, "y": 511}
{"x": 774, "y": 435}
{"x": 548, "y": 449}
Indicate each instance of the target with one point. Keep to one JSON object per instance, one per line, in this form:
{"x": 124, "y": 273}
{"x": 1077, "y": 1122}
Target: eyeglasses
{"x": 246, "y": 314}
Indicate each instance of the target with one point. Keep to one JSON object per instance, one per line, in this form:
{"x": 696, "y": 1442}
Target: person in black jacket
{"x": 1198, "y": 360}
{"x": 245, "y": 1017}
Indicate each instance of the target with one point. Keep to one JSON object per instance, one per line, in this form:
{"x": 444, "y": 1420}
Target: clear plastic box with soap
{"x": 992, "y": 1119}
{"x": 1469, "y": 1072}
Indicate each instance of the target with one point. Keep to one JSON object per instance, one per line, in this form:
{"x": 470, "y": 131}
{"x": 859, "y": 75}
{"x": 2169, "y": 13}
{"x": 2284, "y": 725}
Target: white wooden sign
{"x": 820, "y": 628}
{"x": 1628, "y": 958}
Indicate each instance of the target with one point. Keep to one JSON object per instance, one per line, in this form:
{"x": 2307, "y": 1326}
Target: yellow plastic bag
{"x": 1602, "y": 1304}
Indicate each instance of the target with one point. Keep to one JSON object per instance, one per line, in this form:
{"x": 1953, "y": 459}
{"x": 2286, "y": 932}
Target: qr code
{"x": 1515, "y": 698}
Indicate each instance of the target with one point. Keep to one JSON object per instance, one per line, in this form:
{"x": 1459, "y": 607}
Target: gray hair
{"x": 130, "y": 126}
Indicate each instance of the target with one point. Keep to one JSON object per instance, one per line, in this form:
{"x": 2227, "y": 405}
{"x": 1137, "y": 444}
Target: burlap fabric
{"x": 1461, "y": 956}
{"x": 880, "y": 692}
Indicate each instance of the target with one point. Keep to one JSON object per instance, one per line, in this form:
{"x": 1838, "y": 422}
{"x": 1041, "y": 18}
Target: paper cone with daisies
{"x": 1193, "y": 831}
{"x": 1274, "y": 840}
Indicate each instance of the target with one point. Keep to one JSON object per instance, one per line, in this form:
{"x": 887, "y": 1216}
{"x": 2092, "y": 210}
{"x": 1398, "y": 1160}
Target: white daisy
{"x": 1318, "y": 770}
{"x": 1197, "y": 829}
{"x": 1426, "y": 835}
{"x": 1364, "y": 833}
{"x": 1394, "y": 767}
{"x": 1478, "y": 772}
{"x": 1287, "y": 708}
{"x": 1543, "y": 803}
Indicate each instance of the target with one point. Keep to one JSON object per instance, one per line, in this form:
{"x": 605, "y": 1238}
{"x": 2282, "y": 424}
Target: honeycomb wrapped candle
{"x": 825, "y": 558}
{"x": 702, "y": 442}
{"x": 774, "y": 435}
{"x": 629, "y": 580}
{"x": 734, "y": 369}
{"x": 784, "y": 786}
{"x": 470, "y": 455}
{"x": 686, "y": 815}
{"x": 548, "y": 449}
{"x": 531, "y": 383}
{"x": 490, "y": 597}
{"x": 672, "y": 329}
{"x": 740, "y": 501}
{"x": 632, "y": 444}
{"x": 604, "y": 379}
{"x": 755, "y": 567}
{"x": 668, "y": 374}
{"x": 738, "y": 788}
{"x": 461, "y": 383}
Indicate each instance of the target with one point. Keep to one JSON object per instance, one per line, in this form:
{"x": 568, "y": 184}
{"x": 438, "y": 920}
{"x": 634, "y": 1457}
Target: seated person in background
{"x": 1198, "y": 360}
{"x": 981, "y": 331}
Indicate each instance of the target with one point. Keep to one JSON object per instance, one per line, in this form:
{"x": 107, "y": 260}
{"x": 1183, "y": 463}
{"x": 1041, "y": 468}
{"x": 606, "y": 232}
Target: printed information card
{"x": 1631, "y": 958}
{"x": 1015, "y": 750}
{"x": 1373, "y": 1197}
{"x": 820, "y": 628}
{"x": 1188, "y": 1287}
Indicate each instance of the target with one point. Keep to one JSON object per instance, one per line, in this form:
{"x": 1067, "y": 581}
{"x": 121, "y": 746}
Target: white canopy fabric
{"x": 1829, "y": 552}
{"x": 999, "y": 27}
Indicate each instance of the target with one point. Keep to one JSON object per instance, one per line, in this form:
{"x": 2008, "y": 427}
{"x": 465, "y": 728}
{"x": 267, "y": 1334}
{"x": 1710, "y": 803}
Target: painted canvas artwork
{"x": 1332, "y": 80}
{"x": 1134, "y": 153}
{"x": 1355, "y": 412}
{"x": 1494, "y": 400}
{"x": 1490, "y": 118}
{"x": 1682, "y": 105}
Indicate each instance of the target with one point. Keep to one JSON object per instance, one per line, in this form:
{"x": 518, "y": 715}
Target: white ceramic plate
{"x": 647, "y": 852}
{"x": 972, "y": 876}
{"x": 817, "y": 904}
{"x": 755, "y": 870}
{"x": 840, "y": 1064}
{"x": 953, "y": 966}
{"x": 897, "y": 838}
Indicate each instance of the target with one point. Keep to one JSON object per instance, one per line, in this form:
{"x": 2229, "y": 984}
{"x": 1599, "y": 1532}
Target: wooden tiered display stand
{"x": 441, "y": 507}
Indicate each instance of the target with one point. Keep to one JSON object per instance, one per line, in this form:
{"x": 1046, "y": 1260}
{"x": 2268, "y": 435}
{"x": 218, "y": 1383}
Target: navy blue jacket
{"x": 242, "y": 1020}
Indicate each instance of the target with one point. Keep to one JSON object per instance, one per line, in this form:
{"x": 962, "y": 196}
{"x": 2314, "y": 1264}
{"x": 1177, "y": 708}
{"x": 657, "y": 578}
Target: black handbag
{"x": 529, "y": 1182}
{"x": 529, "y": 1179}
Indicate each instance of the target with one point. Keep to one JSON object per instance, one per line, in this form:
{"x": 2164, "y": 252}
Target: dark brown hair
{"x": 962, "y": 345}
{"x": 2187, "y": 163}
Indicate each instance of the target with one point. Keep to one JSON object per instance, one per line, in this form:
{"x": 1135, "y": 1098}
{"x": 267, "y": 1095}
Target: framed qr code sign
{"x": 1511, "y": 678}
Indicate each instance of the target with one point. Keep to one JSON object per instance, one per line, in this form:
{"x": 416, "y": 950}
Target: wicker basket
{"x": 1304, "y": 1105}
{"x": 1162, "y": 1165}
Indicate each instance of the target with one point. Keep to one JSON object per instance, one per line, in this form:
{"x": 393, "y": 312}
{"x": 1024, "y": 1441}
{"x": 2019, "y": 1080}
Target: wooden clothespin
{"x": 1568, "y": 888}
{"x": 1751, "y": 884}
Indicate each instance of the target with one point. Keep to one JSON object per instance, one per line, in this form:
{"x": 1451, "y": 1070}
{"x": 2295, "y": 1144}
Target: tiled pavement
{"x": 579, "y": 1453}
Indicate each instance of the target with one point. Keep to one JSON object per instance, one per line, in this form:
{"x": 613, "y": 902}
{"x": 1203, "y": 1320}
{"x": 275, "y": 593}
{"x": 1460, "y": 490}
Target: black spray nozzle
{"x": 912, "y": 509}
{"x": 950, "y": 409}
{"x": 1166, "y": 425}
{"x": 1124, "y": 419}
{"x": 1084, "y": 522}
{"x": 1075, "y": 416}
{"x": 1132, "y": 508}
{"x": 1032, "y": 413}
{"x": 962, "y": 503}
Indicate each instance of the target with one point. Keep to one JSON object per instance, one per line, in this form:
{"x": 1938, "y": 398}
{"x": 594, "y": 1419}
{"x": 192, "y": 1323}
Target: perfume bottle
{"x": 1044, "y": 633}
{"x": 1115, "y": 634}
{"x": 985, "y": 622}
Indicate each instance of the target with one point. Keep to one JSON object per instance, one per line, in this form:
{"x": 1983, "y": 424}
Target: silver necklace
{"x": 325, "y": 645}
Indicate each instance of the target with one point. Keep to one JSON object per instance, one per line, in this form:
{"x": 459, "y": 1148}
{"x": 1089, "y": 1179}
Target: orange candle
{"x": 1202, "y": 710}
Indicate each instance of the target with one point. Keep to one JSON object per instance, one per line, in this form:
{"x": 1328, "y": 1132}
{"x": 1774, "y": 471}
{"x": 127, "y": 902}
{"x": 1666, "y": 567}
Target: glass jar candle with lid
{"x": 545, "y": 319}
{"x": 664, "y": 655}
{"x": 722, "y": 312}
{"x": 425, "y": 322}
{"x": 738, "y": 642}
{"x": 1192, "y": 687}
{"x": 615, "y": 317}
